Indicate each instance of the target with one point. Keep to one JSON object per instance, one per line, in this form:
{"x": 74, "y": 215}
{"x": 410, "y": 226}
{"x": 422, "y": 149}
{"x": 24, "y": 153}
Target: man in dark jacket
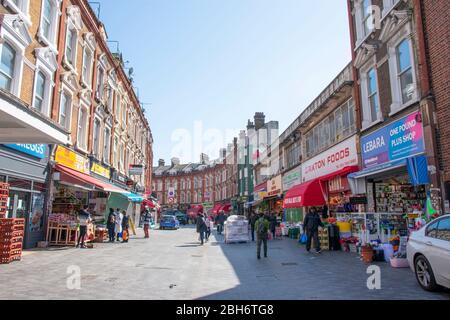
{"x": 220, "y": 220}
{"x": 125, "y": 227}
{"x": 262, "y": 229}
{"x": 201, "y": 227}
{"x": 311, "y": 224}
{"x": 111, "y": 225}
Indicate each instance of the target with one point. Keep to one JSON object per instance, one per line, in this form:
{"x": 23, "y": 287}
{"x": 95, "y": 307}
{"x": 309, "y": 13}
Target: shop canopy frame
{"x": 313, "y": 193}
{"x": 97, "y": 184}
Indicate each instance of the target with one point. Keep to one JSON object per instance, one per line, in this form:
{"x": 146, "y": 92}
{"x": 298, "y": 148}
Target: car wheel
{"x": 424, "y": 274}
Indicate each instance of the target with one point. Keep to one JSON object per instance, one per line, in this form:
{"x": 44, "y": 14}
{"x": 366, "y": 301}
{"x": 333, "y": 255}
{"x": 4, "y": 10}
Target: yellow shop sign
{"x": 101, "y": 170}
{"x": 72, "y": 160}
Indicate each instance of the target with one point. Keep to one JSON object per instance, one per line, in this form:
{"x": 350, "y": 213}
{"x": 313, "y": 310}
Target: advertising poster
{"x": 37, "y": 213}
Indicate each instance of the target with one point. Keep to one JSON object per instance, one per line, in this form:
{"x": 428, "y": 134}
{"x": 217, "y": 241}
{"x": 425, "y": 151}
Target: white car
{"x": 429, "y": 254}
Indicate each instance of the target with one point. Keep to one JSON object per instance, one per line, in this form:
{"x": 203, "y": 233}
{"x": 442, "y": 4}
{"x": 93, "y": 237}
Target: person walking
{"x": 125, "y": 227}
{"x": 311, "y": 224}
{"x": 220, "y": 222}
{"x": 262, "y": 229}
{"x": 111, "y": 224}
{"x": 201, "y": 227}
{"x": 119, "y": 217}
{"x": 254, "y": 217}
{"x": 84, "y": 219}
{"x": 146, "y": 220}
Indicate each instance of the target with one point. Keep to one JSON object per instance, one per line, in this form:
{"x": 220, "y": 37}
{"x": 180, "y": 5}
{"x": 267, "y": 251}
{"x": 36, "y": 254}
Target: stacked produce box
{"x": 4, "y": 191}
{"x": 11, "y": 231}
{"x": 236, "y": 229}
{"x": 11, "y": 239}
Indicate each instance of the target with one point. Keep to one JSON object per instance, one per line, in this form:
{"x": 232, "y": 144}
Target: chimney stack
{"x": 260, "y": 120}
{"x": 161, "y": 163}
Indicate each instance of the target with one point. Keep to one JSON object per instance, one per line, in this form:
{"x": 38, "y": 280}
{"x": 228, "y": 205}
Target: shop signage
{"x": 136, "y": 170}
{"x": 260, "y": 191}
{"x": 72, "y": 160}
{"x": 398, "y": 140}
{"x": 35, "y": 150}
{"x": 292, "y": 178}
{"x": 358, "y": 200}
{"x": 101, "y": 170}
{"x": 274, "y": 186}
{"x": 340, "y": 156}
{"x": 338, "y": 184}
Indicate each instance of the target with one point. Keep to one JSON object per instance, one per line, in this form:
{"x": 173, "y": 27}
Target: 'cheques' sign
{"x": 396, "y": 141}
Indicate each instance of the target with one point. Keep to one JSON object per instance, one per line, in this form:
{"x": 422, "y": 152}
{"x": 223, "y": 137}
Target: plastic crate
{"x": 11, "y": 234}
{"x": 10, "y": 246}
{"x": 11, "y": 228}
{"x": 9, "y": 259}
{"x": 9, "y": 241}
{"x": 12, "y": 222}
{"x": 10, "y": 252}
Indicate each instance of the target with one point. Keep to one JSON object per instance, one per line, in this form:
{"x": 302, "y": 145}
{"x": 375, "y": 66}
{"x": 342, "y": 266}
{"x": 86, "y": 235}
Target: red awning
{"x": 309, "y": 194}
{"x": 341, "y": 173}
{"x": 216, "y": 208}
{"x": 148, "y": 203}
{"x": 226, "y": 208}
{"x": 87, "y": 179}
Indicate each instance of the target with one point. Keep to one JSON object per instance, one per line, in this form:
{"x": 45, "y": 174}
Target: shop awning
{"x": 216, "y": 208}
{"x": 417, "y": 168}
{"x": 341, "y": 173}
{"x": 87, "y": 179}
{"x": 309, "y": 194}
{"x": 226, "y": 208}
{"x": 134, "y": 197}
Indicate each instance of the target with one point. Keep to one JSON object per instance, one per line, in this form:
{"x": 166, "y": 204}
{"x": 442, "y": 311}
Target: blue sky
{"x": 220, "y": 61}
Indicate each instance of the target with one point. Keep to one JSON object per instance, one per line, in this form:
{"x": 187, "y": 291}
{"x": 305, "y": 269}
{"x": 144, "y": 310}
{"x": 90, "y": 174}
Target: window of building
{"x": 49, "y": 21}
{"x": 338, "y": 126}
{"x": 39, "y": 92}
{"x": 47, "y": 18}
{"x": 7, "y": 66}
{"x": 388, "y": 5}
{"x": 405, "y": 75}
{"x": 121, "y": 158}
{"x": 71, "y": 43}
{"x": 82, "y": 128}
{"x": 65, "y": 110}
{"x": 20, "y": 7}
{"x": 87, "y": 66}
{"x": 100, "y": 83}
{"x": 372, "y": 97}
{"x": 96, "y": 138}
{"x": 107, "y": 145}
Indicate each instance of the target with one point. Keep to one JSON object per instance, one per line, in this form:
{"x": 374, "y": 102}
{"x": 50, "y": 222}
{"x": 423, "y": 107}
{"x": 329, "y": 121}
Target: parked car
{"x": 169, "y": 222}
{"x": 182, "y": 217}
{"x": 429, "y": 254}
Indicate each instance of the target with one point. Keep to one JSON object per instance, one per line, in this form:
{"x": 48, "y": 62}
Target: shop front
{"x": 76, "y": 184}
{"x": 274, "y": 196}
{"x": 25, "y": 168}
{"x": 289, "y": 180}
{"x": 395, "y": 177}
{"x": 324, "y": 180}
{"x": 259, "y": 193}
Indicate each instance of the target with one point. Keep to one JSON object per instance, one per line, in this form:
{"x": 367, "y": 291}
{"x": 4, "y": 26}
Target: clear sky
{"x": 220, "y": 61}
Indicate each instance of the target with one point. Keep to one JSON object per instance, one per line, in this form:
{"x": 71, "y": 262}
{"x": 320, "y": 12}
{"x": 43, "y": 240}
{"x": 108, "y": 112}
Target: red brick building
{"x": 436, "y": 29}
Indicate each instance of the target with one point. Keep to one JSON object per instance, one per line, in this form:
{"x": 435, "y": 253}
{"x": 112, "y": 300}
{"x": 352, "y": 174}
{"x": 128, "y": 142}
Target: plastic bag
{"x": 303, "y": 238}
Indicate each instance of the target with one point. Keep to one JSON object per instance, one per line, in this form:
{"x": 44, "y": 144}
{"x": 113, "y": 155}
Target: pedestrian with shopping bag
{"x": 202, "y": 228}
{"x": 125, "y": 227}
{"x": 146, "y": 220}
{"x": 119, "y": 217}
{"x": 311, "y": 225}
{"x": 111, "y": 225}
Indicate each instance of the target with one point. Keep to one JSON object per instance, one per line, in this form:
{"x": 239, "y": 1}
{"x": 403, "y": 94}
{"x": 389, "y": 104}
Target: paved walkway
{"x": 171, "y": 265}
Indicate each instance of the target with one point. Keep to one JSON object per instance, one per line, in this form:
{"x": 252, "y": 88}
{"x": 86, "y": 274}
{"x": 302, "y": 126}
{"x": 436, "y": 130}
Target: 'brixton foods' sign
{"x": 340, "y": 156}
{"x": 398, "y": 140}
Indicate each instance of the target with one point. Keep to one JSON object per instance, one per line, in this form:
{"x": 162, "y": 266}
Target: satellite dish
{"x": 130, "y": 72}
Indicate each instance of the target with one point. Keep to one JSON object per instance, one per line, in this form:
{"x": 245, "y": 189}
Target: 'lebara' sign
{"x": 398, "y": 140}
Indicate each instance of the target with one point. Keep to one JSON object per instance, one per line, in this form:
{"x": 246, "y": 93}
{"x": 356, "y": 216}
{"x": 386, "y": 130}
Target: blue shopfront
{"x": 25, "y": 168}
{"x": 394, "y": 174}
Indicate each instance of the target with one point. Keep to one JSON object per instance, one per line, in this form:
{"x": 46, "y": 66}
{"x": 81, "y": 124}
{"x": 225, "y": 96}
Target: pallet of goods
{"x": 11, "y": 240}
{"x": 236, "y": 230}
